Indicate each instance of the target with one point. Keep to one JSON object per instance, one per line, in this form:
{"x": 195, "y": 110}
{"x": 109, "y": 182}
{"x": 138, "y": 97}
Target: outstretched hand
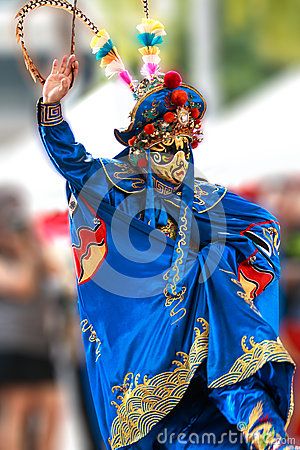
{"x": 59, "y": 81}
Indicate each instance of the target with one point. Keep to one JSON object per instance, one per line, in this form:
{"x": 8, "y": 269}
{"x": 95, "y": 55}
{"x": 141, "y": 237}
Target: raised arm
{"x": 68, "y": 156}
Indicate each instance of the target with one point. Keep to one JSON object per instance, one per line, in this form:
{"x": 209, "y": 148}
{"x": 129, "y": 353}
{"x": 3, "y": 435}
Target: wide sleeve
{"x": 69, "y": 157}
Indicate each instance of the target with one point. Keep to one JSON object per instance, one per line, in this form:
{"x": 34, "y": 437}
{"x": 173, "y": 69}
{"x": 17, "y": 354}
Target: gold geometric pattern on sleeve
{"x": 143, "y": 404}
{"x": 49, "y": 114}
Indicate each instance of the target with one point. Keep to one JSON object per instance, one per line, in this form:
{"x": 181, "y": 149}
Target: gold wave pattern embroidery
{"x": 93, "y": 338}
{"x": 252, "y": 360}
{"x": 292, "y": 403}
{"x": 144, "y": 404}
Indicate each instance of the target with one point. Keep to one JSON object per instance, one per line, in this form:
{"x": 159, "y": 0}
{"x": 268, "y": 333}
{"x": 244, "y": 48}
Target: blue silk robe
{"x": 202, "y": 369}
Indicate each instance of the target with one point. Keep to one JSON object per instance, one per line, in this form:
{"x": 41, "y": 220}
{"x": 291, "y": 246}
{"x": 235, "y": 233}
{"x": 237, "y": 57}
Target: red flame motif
{"x": 91, "y": 251}
{"x": 253, "y": 279}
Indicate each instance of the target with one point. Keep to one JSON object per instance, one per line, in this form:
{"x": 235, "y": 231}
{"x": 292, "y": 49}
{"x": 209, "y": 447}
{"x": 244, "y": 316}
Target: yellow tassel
{"x": 149, "y": 50}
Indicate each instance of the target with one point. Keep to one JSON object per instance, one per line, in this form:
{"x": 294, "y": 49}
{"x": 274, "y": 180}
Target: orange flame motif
{"x": 91, "y": 251}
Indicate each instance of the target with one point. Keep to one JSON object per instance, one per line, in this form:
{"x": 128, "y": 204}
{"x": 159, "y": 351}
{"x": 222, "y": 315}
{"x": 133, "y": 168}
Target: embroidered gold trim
{"x": 198, "y": 193}
{"x": 252, "y": 360}
{"x": 85, "y": 327}
{"x": 177, "y": 299}
{"x": 162, "y": 188}
{"x": 114, "y": 184}
{"x": 127, "y": 170}
{"x": 179, "y": 250}
{"x": 292, "y": 403}
{"x": 215, "y": 204}
{"x": 144, "y": 404}
{"x": 196, "y": 203}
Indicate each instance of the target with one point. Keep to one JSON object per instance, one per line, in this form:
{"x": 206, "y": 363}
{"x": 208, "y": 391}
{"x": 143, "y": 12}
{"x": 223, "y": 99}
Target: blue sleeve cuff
{"x": 49, "y": 114}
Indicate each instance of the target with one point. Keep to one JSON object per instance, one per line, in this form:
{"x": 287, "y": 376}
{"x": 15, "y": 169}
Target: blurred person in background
{"x": 29, "y": 396}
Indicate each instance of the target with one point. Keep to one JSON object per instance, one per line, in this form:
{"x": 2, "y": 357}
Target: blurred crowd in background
{"x": 233, "y": 51}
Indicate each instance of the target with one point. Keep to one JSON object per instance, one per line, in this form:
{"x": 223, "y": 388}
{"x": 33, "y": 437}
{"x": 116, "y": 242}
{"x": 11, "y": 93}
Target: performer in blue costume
{"x": 177, "y": 278}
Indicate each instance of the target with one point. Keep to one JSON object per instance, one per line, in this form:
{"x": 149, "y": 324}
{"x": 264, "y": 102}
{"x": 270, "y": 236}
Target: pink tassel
{"x": 149, "y": 69}
{"x": 125, "y": 76}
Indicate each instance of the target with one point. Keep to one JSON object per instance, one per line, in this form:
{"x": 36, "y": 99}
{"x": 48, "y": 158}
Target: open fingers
{"x": 70, "y": 62}
{"x": 54, "y": 67}
{"x": 63, "y": 65}
{"x": 76, "y": 68}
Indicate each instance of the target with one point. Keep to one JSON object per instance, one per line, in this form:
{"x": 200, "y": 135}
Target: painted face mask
{"x": 169, "y": 159}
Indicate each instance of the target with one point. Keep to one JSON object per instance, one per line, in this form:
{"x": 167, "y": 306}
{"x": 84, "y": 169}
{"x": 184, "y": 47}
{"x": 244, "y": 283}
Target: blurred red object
{"x": 250, "y": 191}
{"x": 52, "y": 225}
